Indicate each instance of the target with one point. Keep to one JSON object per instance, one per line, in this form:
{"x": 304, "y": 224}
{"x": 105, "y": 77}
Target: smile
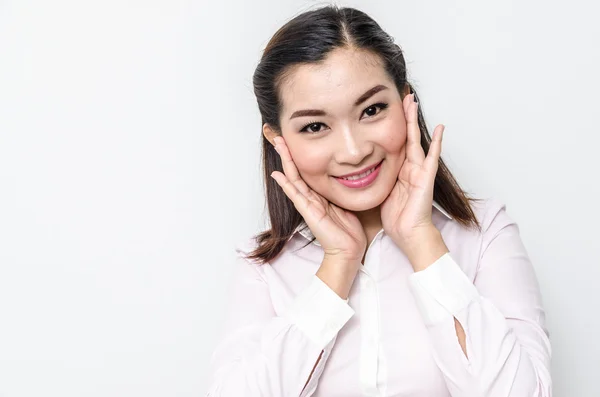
{"x": 363, "y": 179}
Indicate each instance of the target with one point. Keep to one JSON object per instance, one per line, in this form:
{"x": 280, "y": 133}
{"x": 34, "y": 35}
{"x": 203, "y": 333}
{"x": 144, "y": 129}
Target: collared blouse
{"x": 395, "y": 334}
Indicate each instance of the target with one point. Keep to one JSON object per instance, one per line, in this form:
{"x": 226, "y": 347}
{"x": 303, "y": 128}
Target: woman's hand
{"x": 339, "y": 232}
{"x": 406, "y": 212}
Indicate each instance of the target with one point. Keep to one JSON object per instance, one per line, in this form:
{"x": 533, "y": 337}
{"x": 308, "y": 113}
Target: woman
{"x": 378, "y": 276}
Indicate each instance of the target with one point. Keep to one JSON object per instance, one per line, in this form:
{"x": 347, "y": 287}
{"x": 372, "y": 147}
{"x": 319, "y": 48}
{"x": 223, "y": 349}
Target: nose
{"x": 352, "y": 148}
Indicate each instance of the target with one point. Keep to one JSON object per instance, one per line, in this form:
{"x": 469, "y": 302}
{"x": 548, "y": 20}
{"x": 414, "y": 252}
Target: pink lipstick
{"x": 361, "y": 178}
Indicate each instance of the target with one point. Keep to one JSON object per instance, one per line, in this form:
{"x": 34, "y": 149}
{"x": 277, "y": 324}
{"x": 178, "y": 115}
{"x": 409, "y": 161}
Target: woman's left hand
{"x": 406, "y": 212}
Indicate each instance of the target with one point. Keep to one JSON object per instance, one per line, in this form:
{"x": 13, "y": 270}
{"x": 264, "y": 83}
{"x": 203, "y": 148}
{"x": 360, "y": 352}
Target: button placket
{"x": 369, "y": 309}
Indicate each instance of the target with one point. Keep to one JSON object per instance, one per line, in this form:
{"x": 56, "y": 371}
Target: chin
{"x": 362, "y": 201}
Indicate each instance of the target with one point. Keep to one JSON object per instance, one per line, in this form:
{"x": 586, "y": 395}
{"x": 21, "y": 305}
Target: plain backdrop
{"x": 129, "y": 170}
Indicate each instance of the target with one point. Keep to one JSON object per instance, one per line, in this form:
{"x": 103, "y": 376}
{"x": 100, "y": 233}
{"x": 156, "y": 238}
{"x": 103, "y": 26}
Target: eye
{"x": 310, "y": 126}
{"x": 313, "y": 126}
{"x": 373, "y": 108}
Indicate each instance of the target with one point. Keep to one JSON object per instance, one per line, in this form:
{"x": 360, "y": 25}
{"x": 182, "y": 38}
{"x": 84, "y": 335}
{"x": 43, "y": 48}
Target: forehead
{"x": 341, "y": 78}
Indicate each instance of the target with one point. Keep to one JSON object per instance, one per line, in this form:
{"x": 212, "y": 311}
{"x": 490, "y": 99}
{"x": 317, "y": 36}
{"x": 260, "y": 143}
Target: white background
{"x": 129, "y": 169}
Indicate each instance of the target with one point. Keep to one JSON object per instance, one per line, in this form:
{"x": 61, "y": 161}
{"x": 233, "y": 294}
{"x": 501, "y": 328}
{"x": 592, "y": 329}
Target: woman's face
{"x": 340, "y": 135}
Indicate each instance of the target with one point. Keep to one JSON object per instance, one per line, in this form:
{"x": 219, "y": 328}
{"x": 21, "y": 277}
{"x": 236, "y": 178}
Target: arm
{"x": 263, "y": 354}
{"x": 489, "y": 335}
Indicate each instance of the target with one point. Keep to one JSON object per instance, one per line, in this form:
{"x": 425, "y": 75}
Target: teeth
{"x": 355, "y": 177}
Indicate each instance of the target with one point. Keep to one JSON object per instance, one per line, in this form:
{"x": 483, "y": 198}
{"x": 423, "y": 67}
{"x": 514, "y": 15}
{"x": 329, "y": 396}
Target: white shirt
{"x": 395, "y": 334}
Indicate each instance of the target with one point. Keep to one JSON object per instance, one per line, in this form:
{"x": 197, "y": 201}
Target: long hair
{"x": 307, "y": 39}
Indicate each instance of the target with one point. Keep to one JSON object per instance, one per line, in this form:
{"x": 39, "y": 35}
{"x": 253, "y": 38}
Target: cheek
{"x": 310, "y": 161}
{"x": 393, "y": 136}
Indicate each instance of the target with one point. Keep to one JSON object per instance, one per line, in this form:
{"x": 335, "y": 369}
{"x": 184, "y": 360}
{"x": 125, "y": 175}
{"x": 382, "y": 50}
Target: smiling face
{"x": 355, "y": 120}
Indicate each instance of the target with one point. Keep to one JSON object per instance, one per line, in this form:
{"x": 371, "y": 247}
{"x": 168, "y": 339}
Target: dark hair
{"x": 309, "y": 38}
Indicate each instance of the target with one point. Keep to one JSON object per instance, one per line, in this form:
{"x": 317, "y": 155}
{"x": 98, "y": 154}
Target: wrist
{"x": 338, "y": 275}
{"x": 425, "y": 248}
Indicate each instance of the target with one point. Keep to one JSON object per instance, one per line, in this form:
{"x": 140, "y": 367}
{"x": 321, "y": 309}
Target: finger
{"x": 300, "y": 201}
{"x": 435, "y": 150}
{"x": 414, "y": 150}
{"x": 289, "y": 167}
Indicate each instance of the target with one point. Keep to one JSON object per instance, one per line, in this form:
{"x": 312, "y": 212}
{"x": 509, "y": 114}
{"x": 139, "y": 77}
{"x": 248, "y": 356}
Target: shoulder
{"x": 297, "y": 261}
{"x": 245, "y": 268}
{"x": 492, "y": 214}
{"x": 468, "y": 244}
{"x": 246, "y": 245}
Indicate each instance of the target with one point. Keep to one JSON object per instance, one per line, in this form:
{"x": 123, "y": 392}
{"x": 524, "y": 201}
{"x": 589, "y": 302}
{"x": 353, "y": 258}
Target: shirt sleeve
{"x": 265, "y": 354}
{"x": 501, "y": 312}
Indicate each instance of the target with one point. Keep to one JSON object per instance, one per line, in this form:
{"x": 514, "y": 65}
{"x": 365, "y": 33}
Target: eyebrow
{"x": 361, "y": 99}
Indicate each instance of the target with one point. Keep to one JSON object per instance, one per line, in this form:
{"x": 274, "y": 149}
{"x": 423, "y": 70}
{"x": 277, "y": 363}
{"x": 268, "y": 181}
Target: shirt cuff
{"x": 319, "y": 312}
{"x": 441, "y": 289}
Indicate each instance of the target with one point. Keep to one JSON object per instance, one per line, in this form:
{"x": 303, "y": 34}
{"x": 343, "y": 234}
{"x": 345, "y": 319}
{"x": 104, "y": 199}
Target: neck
{"x": 371, "y": 222}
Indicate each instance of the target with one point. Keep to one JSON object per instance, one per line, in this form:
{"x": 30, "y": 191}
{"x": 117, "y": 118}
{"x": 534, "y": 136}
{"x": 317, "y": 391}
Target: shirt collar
{"x": 304, "y": 230}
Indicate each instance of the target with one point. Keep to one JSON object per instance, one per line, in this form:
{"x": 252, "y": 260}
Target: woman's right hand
{"x": 339, "y": 231}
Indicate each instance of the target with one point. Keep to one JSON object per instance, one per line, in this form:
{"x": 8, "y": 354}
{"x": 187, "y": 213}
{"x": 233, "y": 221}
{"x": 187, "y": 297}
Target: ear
{"x": 269, "y": 133}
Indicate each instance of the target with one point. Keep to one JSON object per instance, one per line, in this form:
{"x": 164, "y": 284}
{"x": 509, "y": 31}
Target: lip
{"x": 360, "y": 171}
{"x": 362, "y": 182}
